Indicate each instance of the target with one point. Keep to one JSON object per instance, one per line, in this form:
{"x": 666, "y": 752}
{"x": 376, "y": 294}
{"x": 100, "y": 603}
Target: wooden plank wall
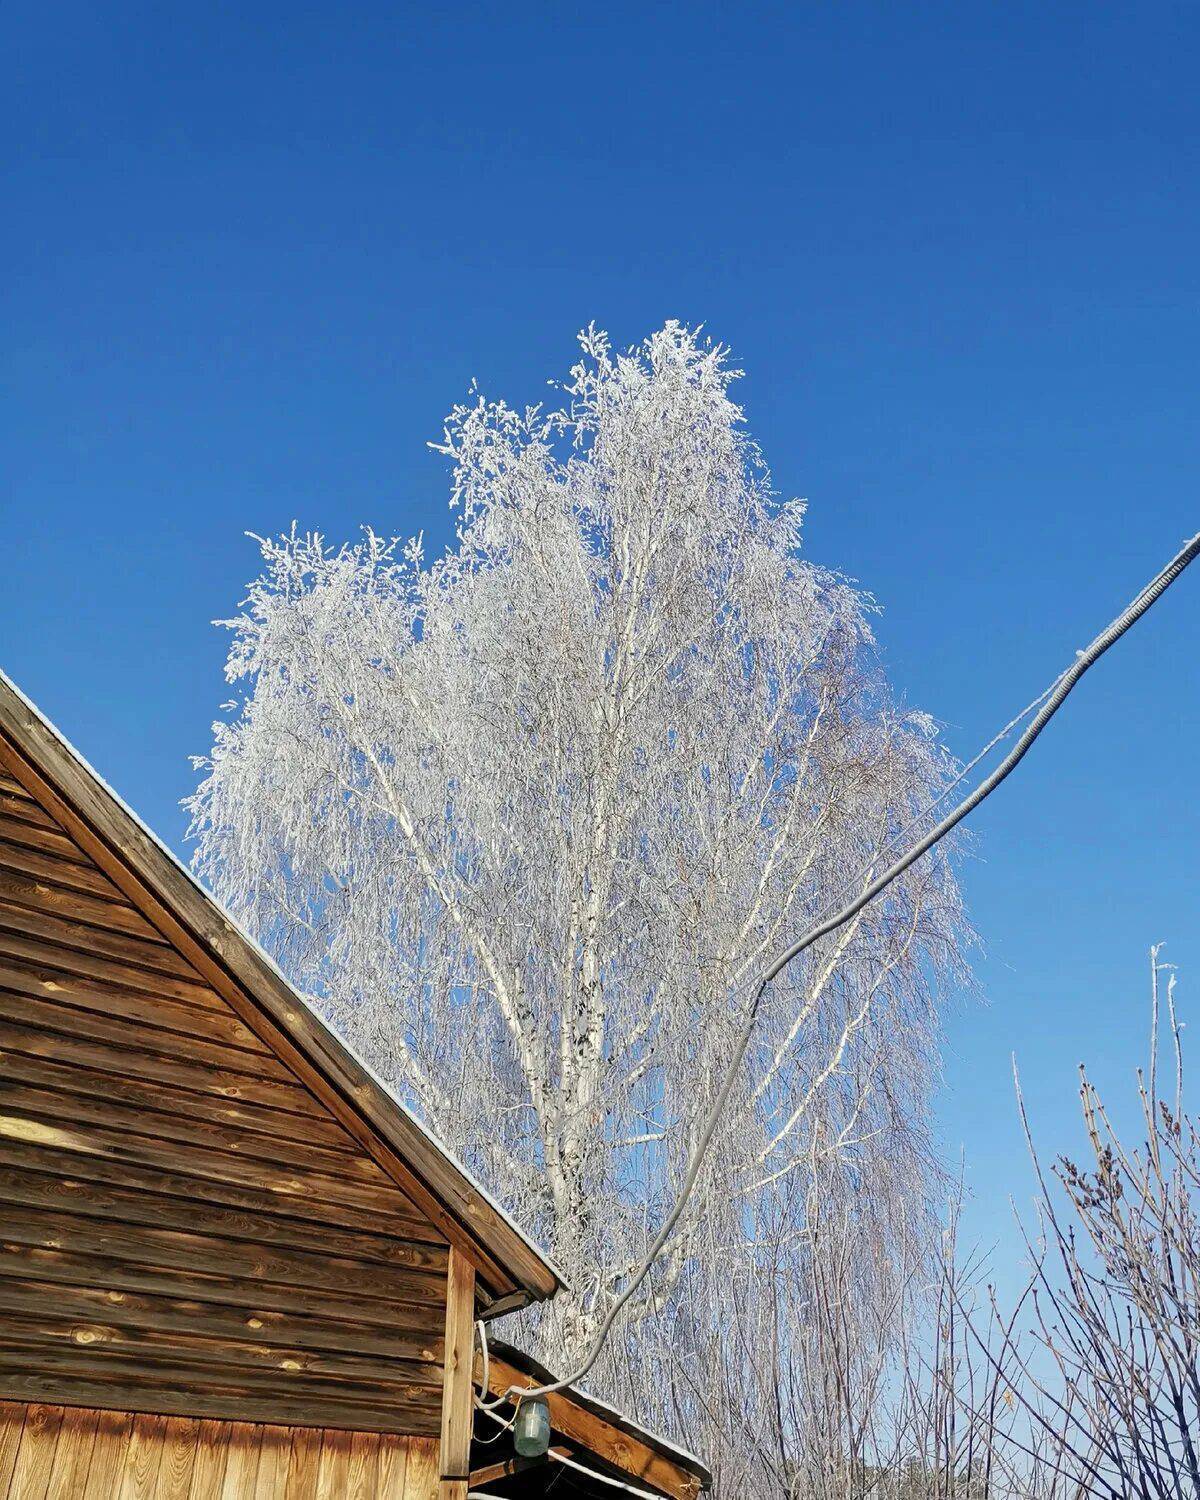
{"x": 184, "y": 1227}
{"x": 74, "y": 1453}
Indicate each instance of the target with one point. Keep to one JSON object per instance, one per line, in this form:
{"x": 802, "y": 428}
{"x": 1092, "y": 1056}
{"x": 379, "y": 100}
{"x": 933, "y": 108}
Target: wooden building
{"x": 232, "y": 1265}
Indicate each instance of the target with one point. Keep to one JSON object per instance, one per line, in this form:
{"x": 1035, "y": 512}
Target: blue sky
{"x": 254, "y": 253}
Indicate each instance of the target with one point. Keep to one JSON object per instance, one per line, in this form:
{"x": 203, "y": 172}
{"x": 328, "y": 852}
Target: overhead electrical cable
{"x": 959, "y": 777}
{"x": 1054, "y": 698}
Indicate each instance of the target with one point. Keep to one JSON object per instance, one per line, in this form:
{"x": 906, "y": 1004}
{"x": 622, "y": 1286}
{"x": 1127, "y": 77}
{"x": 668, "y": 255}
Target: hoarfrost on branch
{"x": 525, "y": 818}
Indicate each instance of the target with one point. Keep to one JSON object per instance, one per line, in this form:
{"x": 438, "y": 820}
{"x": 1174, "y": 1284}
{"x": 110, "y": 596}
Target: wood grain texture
{"x": 225, "y": 1344}
{"x": 52, "y": 1001}
{"x": 155, "y": 971}
{"x": 127, "y": 858}
{"x": 62, "y": 1045}
{"x": 35, "y": 1457}
{"x": 304, "y": 1464}
{"x": 277, "y": 1120}
{"x": 179, "y": 1458}
{"x": 421, "y": 1475}
{"x": 211, "y": 1254}
{"x": 73, "y": 1451}
{"x": 107, "y": 1461}
{"x": 457, "y": 1389}
{"x": 15, "y": 802}
{"x": 119, "y": 1278}
{"x": 34, "y": 1188}
{"x": 274, "y": 1455}
{"x": 48, "y": 1123}
{"x": 362, "y": 1482}
{"x": 51, "y": 1452}
{"x": 264, "y": 1368}
{"x": 27, "y": 891}
{"x": 242, "y": 1447}
{"x": 186, "y": 1230}
{"x": 231, "y": 1331}
{"x": 168, "y": 1399}
{"x": 42, "y": 834}
{"x": 143, "y": 1457}
{"x": 83, "y": 879}
{"x": 100, "y": 1109}
{"x": 208, "y": 1470}
{"x": 12, "y": 1424}
{"x": 40, "y": 922}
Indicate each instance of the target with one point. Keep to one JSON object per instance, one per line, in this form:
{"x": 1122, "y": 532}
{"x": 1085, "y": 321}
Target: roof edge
{"x": 507, "y": 1360}
{"x": 507, "y": 1261}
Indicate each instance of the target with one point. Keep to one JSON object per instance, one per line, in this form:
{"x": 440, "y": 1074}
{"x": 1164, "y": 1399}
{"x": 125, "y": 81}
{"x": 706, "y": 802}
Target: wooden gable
{"x": 178, "y": 1213}
{"x": 232, "y": 1266}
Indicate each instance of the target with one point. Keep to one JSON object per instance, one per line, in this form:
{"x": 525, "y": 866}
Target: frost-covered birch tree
{"x": 524, "y": 818}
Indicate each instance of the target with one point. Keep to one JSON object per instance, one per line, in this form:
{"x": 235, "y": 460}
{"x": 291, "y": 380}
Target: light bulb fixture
{"x": 531, "y": 1430}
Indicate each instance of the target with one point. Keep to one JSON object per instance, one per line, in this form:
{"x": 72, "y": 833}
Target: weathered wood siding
{"x": 74, "y": 1453}
{"x": 184, "y": 1227}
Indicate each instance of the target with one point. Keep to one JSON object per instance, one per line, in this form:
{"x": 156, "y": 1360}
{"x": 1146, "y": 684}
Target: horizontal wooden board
{"x": 137, "y": 1312}
{"x": 46, "y": 837}
{"x": 107, "y": 1361}
{"x": 139, "y": 953}
{"x": 55, "y": 1013}
{"x": 30, "y": 1263}
{"x": 30, "y": 1330}
{"x": 23, "y": 808}
{"x": 223, "y": 1193}
{"x": 34, "y": 1189}
{"x": 112, "y": 1015}
{"x": 105, "y": 1057}
{"x": 65, "y": 1043}
{"x": 135, "y": 1151}
{"x": 41, "y": 953}
{"x": 142, "y": 1119}
{"x": 22, "y": 889}
{"x": 73, "y": 1452}
{"x": 234, "y": 1401}
{"x": 187, "y": 1104}
{"x": 73, "y": 877}
{"x": 181, "y": 1250}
